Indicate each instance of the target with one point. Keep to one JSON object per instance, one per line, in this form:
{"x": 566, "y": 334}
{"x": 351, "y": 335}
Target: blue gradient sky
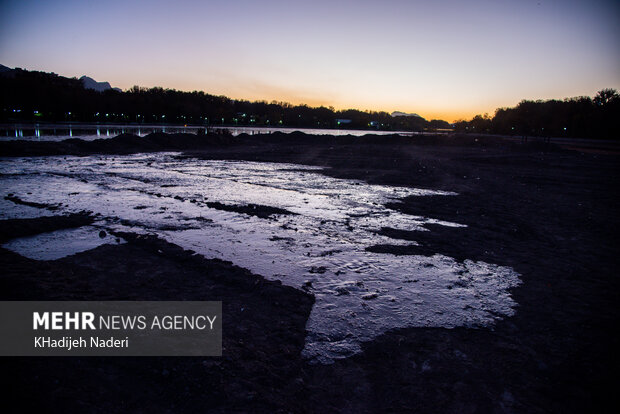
{"x": 442, "y": 59}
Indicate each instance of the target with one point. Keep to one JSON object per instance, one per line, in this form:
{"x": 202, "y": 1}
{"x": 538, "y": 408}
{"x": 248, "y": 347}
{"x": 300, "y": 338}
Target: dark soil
{"x": 249, "y": 209}
{"x": 17, "y": 200}
{"x": 263, "y": 325}
{"x": 10, "y": 229}
{"x": 549, "y": 213}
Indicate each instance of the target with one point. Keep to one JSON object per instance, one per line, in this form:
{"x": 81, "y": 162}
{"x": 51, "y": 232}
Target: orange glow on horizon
{"x": 312, "y": 99}
{"x": 378, "y": 56}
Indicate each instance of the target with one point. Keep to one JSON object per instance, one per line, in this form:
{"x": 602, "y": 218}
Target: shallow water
{"x": 320, "y": 247}
{"x": 61, "y": 243}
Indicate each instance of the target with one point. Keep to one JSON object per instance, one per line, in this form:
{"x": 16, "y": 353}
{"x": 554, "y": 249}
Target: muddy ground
{"x": 547, "y": 212}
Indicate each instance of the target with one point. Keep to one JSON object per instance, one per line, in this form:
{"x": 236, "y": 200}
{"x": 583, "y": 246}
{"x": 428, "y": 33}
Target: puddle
{"x": 318, "y": 245}
{"x": 61, "y": 243}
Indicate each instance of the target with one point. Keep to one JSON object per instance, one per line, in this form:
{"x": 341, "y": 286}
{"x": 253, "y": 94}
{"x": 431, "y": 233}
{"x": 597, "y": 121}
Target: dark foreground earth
{"x": 548, "y": 212}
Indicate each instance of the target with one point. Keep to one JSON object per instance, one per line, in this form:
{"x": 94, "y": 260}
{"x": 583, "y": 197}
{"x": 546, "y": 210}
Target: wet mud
{"x": 548, "y": 213}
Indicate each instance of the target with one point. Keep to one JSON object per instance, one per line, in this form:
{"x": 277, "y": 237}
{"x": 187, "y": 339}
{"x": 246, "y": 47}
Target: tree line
{"x": 579, "y": 117}
{"x": 30, "y": 96}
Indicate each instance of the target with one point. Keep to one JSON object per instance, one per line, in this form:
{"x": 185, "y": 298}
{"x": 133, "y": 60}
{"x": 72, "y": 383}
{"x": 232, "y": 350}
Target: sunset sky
{"x": 444, "y": 59}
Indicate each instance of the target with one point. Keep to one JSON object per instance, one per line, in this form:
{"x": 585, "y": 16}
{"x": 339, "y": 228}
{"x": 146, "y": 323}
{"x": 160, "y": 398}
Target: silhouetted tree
{"x": 574, "y": 117}
{"x": 606, "y": 97}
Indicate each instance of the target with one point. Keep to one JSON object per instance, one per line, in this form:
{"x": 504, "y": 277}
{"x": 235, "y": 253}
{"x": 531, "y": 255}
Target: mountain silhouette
{"x": 90, "y": 83}
{"x": 398, "y": 113}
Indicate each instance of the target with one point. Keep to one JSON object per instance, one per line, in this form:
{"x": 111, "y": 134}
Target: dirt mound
{"x": 121, "y": 144}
